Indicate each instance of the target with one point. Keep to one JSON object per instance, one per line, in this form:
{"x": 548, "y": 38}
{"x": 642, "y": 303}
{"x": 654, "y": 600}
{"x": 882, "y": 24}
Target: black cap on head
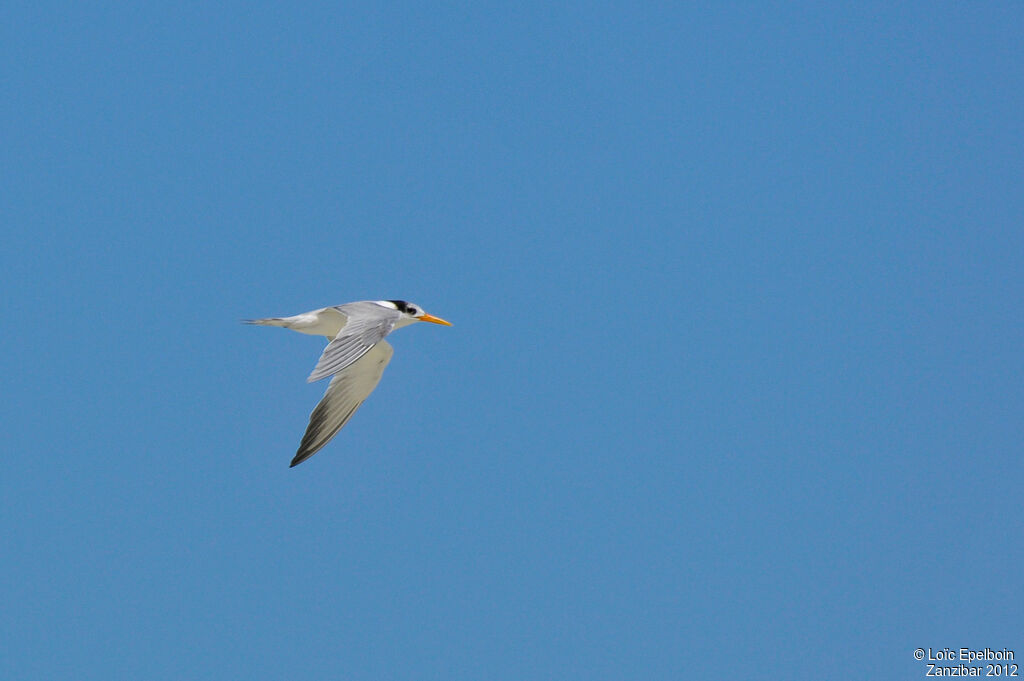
{"x": 401, "y": 305}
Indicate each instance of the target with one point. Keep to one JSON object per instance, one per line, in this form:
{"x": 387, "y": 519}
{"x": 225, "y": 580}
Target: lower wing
{"x": 345, "y": 393}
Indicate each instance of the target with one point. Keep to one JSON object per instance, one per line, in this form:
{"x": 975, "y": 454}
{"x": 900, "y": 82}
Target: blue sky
{"x": 733, "y": 390}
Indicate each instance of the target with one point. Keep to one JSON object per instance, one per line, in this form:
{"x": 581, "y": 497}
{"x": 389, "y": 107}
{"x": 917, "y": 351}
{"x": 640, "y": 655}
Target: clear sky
{"x": 734, "y": 387}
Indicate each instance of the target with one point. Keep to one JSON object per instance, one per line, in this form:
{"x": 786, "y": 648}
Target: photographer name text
{"x": 940, "y": 661}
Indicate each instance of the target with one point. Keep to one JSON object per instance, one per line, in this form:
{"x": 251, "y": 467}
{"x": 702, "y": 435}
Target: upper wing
{"x": 368, "y": 323}
{"x": 345, "y": 393}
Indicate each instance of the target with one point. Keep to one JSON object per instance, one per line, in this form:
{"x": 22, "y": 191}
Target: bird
{"x": 356, "y": 355}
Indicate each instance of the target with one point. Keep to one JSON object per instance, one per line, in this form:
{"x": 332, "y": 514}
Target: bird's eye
{"x": 412, "y": 310}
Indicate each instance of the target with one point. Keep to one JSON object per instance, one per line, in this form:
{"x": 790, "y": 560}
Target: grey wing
{"x": 367, "y": 325}
{"x": 345, "y": 393}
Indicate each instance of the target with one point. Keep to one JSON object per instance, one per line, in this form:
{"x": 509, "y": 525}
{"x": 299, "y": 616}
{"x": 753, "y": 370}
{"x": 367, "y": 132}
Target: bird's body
{"x": 355, "y": 356}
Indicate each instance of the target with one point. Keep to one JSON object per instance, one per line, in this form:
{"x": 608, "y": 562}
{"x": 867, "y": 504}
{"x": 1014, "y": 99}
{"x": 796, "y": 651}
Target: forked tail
{"x": 269, "y": 321}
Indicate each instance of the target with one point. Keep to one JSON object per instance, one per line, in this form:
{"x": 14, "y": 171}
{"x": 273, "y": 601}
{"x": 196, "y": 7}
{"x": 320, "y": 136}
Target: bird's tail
{"x": 269, "y": 321}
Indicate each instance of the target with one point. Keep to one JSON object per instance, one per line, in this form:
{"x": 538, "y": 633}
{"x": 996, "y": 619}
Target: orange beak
{"x": 436, "y": 320}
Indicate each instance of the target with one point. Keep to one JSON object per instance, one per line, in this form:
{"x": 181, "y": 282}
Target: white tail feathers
{"x": 269, "y": 321}
{"x": 323, "y": 322}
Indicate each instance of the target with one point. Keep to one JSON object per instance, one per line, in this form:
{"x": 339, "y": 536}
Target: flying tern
{"x": 355, "y": 356}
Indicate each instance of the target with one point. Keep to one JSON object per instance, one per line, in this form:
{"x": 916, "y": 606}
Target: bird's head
{"x": 411, "y": 312}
